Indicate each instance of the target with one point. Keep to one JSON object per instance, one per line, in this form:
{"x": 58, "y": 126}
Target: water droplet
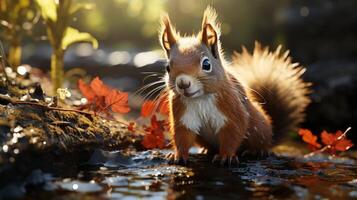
{"x": 5, "y": 148}
{"x": 22, "y": 70}
{"x": 84, "y": 101}
{"x": 14, "y": 140}
{"x": 75, "y": 186}
{"x": 16, "y": 151}
{"x": 18, "y": 129}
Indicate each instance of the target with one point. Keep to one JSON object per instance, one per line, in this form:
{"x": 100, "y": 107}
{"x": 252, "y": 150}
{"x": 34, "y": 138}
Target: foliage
{"x": 57, "y": 16}
{"x": 333, "y": 142}
{"x": 101, "y": 98}
{"x": 309, "y": 138}
{"x": 149, "y": 107}
{"x": 17, "y": 17}
{"x": 154, "y": 134}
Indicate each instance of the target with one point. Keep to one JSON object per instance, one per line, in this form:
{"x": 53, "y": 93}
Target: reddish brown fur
{"x": 247, "y": 126}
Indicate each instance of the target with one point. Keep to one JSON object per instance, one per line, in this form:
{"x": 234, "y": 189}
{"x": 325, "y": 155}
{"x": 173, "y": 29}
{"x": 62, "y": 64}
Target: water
{"x": 146, "y": 175}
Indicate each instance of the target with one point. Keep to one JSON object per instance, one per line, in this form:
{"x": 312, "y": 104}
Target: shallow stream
{"x": 146, "y": 175}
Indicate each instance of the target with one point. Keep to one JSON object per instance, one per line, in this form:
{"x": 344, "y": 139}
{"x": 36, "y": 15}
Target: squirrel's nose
{"x": 183, "y": 84}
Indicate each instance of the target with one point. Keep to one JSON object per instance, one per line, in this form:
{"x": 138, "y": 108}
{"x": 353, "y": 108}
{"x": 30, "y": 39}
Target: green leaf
{"x": 24, "y": 3}
{"x": 72, "y": 36}
{"x": 79, "y": 6}
{"x": 48, "y": 9}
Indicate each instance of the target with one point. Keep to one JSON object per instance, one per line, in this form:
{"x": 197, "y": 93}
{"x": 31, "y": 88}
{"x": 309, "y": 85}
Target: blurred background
{"x": 320, "y": 34}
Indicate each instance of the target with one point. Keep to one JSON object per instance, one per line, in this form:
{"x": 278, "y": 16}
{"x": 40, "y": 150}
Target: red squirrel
{"x": 228, "y": 107}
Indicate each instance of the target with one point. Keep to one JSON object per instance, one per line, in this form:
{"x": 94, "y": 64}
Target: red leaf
{"x": 150, "y": 107}
{"x": 154, "y": 137}
{"x": 147, "y": 108}
{"x": 152, "y": 141}
{"x": 131, "y": 127}
{"x": 86, "y": 90}
{"x": 327, "y": 138}
{"x": 309, "y": 138}
{"x": 343, "y": 145}
{"x": 164, "y": 107}
{"x": 337, "y": 141}
{"x": 99, "y": 87}
{"x": 118, "y": 101}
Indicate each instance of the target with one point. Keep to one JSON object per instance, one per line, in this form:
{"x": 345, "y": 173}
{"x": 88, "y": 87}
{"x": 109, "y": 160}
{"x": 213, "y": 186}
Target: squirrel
{"x": 228, "y": 107}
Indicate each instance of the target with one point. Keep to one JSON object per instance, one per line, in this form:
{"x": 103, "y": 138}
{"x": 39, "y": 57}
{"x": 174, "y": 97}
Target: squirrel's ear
{"x": 168, "y": 35}
{"x": 210, "y": 32}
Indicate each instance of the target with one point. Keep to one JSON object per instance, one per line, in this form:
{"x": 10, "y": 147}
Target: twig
{"x": 51, "y": 108}
{"x": 329, "y": 146}
{"x": 69, "y": 110}
{"x": 3, "y": 58}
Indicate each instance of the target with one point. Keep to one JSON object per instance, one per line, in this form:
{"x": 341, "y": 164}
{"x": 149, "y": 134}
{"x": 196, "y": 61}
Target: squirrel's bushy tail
{"x": 273, "y": 80}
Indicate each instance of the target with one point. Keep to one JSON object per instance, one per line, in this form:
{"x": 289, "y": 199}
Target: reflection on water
{"x": 146, "y": 174}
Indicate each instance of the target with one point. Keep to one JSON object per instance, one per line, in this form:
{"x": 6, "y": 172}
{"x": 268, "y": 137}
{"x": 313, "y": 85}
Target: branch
{"x": 69, "y": 110}
{"x": 3, "y": 60}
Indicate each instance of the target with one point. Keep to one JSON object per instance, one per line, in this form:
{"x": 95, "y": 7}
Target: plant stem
{"x": 57, "y": 73}
{"x": 3, "y": 60}
{"x": 15, "y": 52}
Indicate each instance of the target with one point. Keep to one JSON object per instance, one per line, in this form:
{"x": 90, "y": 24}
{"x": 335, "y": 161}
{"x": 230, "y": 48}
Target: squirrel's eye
{"x": 168, "y": 68}
{"x": 206, "y": 64}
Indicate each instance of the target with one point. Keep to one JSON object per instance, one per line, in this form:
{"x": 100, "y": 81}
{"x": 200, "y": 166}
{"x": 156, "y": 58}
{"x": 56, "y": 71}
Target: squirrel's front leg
{"x": 230, "y": 138}
{"x": 183, "y": 141}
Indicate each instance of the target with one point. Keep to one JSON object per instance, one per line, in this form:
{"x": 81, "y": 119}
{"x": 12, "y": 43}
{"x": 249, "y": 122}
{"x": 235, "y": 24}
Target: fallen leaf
{"x": 147, "y": 108}
{"x": 150, "y": 107}
{"x": 86, "y": 90}
{"x": 154, "y": 137}
{"x": 337, "y": 141}
{"x": 101, "y": 97}
{"x": 164, "y": 107}
{"x": 117, "y": 101}
{"x": 99, "y": 87}
{"x": 309, "y": 138}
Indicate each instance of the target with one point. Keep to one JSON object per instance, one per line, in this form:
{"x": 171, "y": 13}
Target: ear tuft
{"x": 211, "y": 30}
{"x": 167, "y": 34}
{"x": 210, "y": 17}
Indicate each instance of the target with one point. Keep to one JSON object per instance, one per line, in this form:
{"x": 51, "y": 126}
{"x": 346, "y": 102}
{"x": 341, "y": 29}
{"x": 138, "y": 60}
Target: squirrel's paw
{"x": 223, "y": 159}
{"x": 175, "y": 159}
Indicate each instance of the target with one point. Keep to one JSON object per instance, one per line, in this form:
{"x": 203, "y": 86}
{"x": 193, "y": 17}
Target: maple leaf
{"x": 164, "y": 107}
{"x": 154, "y": 137}
{"x": 148, "y": 108}
{"x": 102, "y": 97}
{"x": 117, "y": 101}
{"x": 309, "y": 138}
{"x": 86, "y": 90}
{"x": 99, "y": 87}
{"x": 336, "y": 142}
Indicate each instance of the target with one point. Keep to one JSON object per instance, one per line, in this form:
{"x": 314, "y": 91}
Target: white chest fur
{"x": 202, "y": 112}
